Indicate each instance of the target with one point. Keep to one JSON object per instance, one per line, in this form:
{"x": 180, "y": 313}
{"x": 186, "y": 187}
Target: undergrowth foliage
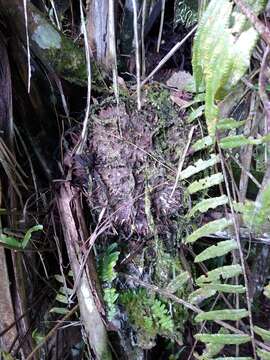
{"x": 108, "y": 275}
{"x": 221, "y": 55}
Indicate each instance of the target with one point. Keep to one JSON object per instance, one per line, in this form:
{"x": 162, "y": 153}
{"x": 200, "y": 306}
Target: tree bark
{"x": 74, "y": 229}
{"x": 57, "y": 52}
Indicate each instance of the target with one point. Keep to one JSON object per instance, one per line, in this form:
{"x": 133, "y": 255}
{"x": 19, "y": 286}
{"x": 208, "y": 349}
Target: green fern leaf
{"x": 178, "y": 282}
{"x": 59, "y": 310}
{"x": 108, "y": 263}
{"x": 206, "y": 204}
{"x": 110, "y": 298}
{"x": 200, "y": 165}
{"x": 199, "y": 295}
{"x": 222, "y": 248}
{"x": 208, "y": 229}
{"x": 195, "y": 114}
{"x": 205, "y": 183}
{"x": 224, "y": 272}
{"x": 213, "y": 349}
{"x": 226, "y": 339}
{"x": 231, "y": 142}
{"x": 62, "y": 298}
{"x": 202, "y": 144}
{"x": 264, "y": 355}
{"x": 266, "y": 291}
{"x": 264, "y": 334}
{"x": 225, "y": 288}
{"x": 230, "y": 314}
{"x": 229, "y": 124}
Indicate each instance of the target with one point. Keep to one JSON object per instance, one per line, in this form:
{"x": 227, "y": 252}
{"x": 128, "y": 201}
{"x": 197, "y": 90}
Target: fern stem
{"x": 242, "y": 259}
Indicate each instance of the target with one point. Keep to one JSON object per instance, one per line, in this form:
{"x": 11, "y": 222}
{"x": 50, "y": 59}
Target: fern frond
{"x": 206, "y": 204}
{"x": 221, "y": 249}
{"x": 225, "y": 288}
{"x": 231, "y": 314}
{"x": 264, "y": 334}
{"x": 225, "y": 339}
{"x": 108, "y": 263}
{"x": 208, "y": 229}
{"x": 199, "y": 295}
{"x": 178, "y": 282}
{"x": 200, "y": 165}
{"x": 205, "y": 183}
{"x": 223, "y": 272}
{"x": 264, "y": 355}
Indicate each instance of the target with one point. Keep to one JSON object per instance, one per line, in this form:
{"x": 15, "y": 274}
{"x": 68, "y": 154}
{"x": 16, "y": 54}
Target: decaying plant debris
{"x": 135, "y": 194}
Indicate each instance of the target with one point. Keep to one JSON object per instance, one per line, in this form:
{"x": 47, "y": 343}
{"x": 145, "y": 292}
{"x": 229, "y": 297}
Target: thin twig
{"x": 55, "y": 14}
{"x": 27, "y": 45}
{"x": 169, "y": 55}
{"x": 89, "y": 79}
{"x": 112, "y": 44}
{"x": 161, "y": 25}
{"x": 182, "y": 160}
{"x": 137, "y": 50}
{"x": 52, "y": 331}
{"x": 142, "y": 37}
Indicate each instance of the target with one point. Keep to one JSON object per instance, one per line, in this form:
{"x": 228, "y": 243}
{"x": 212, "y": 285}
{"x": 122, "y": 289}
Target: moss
{"x": 149, "y": 316}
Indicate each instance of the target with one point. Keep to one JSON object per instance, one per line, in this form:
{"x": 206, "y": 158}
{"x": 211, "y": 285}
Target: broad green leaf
{"x": 228, "y": 124}
{"x": 10, "y": 242}
{"x": 221, "y": 54}
{"x": 62, "y": 298}
{"x": 59, "y": 278}
{"x": 208, "y": 229}
{"x": 256, "y": 213}
{"x": 225, "y": 288}
{"x": 199, "y": 295}
{"x": 15, "y": 244}
{"x": 213, "y": 349}
{"x": 214, "y": 21}
{"x": 195, "y": 114}
{"x": 242, "y": 50}
{"x": 228, "y": 314}
{"x": 264, "y": 334}
{"x": 200, "y": 165}
{"x": 6, "y": 356}
{"x": 178, "y": 282}
{"x": 27, "y": 236}
{"x": 222, "y": 248}
{"x": 224, "y": 272}
{"x": 226, "y": 339}
{"x": 205, "y": 183}
{"x": 65, "y": 291}
{"x": 202, "y": 144}
{"x": 266, "y": 291}
{"x": 206, "y": 204}
{"x": 260, "y": 214}
{"x": 59, "y": 310}
{"x": 231, "y": 142}
{"x": 264, "y": 355}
